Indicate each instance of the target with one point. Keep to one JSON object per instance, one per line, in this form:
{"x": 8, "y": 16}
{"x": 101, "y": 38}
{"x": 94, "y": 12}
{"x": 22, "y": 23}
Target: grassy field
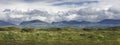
{"x": 60, "y": 36}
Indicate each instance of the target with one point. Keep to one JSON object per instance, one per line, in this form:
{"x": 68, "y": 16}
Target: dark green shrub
{"x": 13, "y": 28}
{"x": 27, "y": 29}
{"x": 87, "y": 29}
{"x": 3, "y": 29}
{"x": 53, "y": 29}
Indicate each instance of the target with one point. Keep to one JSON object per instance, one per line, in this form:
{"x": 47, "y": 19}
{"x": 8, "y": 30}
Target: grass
{"x": 59, "y": 36}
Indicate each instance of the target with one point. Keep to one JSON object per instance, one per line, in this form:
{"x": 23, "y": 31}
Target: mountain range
{"x": 4, "y": 23}
{"x": 82, "y": 24}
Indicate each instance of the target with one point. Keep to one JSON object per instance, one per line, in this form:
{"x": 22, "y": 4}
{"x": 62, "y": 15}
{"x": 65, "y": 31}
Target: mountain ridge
{"x": 40, "y": 24}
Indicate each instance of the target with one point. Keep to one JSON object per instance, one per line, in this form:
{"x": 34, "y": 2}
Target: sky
{"x": 17, "y": 11}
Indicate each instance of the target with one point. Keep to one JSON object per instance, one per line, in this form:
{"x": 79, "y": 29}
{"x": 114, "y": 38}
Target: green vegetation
{"x": 59, "y": 36}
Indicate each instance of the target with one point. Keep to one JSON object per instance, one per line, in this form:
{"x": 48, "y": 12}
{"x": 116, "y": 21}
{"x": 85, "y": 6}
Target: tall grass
{"x": 59, "y": 36}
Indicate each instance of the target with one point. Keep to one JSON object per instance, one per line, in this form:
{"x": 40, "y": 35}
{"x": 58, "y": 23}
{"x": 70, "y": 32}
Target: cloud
{"x": 76, "y": 3}
{"x": 17, "y": 11}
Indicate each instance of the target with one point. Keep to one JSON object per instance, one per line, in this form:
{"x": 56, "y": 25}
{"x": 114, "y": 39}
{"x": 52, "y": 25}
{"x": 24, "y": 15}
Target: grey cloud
{"x": 75, "y": 3}
{"x": 7, "y": 10}
{"x": 114, "y": 10}
{"x": 30, "y": 1}
{"x": 37, "y": 12}
{"x": 85, "y": 14}
{"x": 92, "y": 13}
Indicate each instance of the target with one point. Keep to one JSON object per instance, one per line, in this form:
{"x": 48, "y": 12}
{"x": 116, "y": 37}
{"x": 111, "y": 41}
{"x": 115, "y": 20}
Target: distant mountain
{"x": 33, "y": 21}
{"x": 82, "y": 24}
{"x": 71, "y": 22}
{"x": 34, "y": 24}
{"x": 110, "y": 21}
{"x": 3, "y": 23}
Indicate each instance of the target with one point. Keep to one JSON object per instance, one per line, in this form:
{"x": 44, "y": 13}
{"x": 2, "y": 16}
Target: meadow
{"x": 59, "y": 36}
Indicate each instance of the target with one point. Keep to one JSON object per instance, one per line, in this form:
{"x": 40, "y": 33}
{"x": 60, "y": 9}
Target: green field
{"x": 59, "y": 36}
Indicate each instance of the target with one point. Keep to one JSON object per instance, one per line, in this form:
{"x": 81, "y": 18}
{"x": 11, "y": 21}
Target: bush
{"x": 87, "y": 29}
{"x": 27, "y": 30}
{"x": 13, "y": 28}
{"x": 53, "y": 29}
{"x": 3, "y": 29}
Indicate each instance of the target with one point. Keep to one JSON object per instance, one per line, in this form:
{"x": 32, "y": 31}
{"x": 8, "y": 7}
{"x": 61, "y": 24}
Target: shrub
{"x": 27, "y": 29}
{"x": 13, "y": 28}
{"x": 53, "y": 29}
{"x": 87, "y": 29}
{"x": 3, "y": 29}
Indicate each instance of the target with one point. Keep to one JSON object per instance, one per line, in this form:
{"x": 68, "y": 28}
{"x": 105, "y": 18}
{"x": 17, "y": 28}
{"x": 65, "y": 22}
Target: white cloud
{"x": 45, "y": 10}
{"x": 71, "y": 17}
